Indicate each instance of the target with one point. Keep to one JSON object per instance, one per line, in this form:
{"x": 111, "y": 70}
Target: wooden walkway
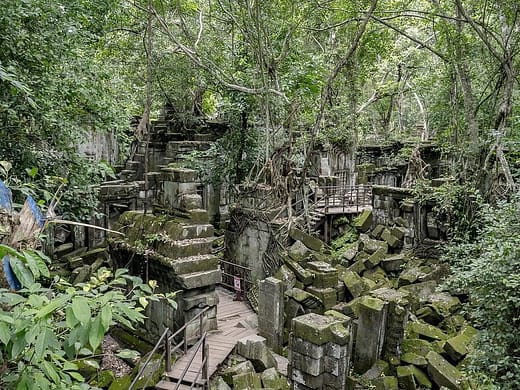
{"x": 235, "y": 320}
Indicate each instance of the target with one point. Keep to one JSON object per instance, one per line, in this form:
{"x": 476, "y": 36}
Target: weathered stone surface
{"x": 354, "y": 283}
{"x": 305, "y": 298}
{"x": 239, "y": 368}
{"x": 247, "y": 380}
{"x": 421, "y": 378}
{"x": 220, "y": 384}
{"x": 370, "y": 333}
{"x": 363, "y": 221}
{"x": 298, "y": 251}
{"x": 200, "y": 279}
{"x": 444, "y": 304}
{"x": 379, "y": 368}
{"x": 415, "y": 359}
{"x": 393, "y": 263}
{"x": 419, "y": 292}
{"x": 181, "y": 175}
{"x": 191, "y": 264}
{"x": 199, "y": 300}
{"x": 370, "y": 246}
{"x": 303, "y": 275}
{"x": 272, "y": 379}
{"x": 390, "y": 239}
{"x": 307, "y": 348}
{"x": 442, "y": 372}
{"x": 308, "y": 240}
{"x": 375, "y": 258}
{"x": 325, "y": 276}
{"x": 426, "y": 331}
{"x": 286, "y": 276}
{"x": 319, "y": 329}
{"x": 378, "y": 276}
{"x": 307, "y": 364}
{"x": 376, "y": 232}
{"x": 271, "y": 312}
{"x": 190, "y": 201}
{"x": 254, "y": 348}
{"x": 327, "y": 296}
{"x": 458, "y": 347}
{"x": 416, "y": 346}
{"x": 358, "y": 267}
{"x": 349, "y": 254}
{"x": 81, "y": 274}
{"x": 405, "y": 378}
{"x": 385, "y": 383}
{"x": 398, "y": 232}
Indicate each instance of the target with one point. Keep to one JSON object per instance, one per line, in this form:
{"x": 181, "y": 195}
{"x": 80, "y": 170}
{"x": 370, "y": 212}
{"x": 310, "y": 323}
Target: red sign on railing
{"x": 237, "y": 284}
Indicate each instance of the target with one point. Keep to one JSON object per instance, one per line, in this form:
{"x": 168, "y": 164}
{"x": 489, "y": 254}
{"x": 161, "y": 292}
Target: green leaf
{"x": 7, "y": 250}
{"x": 33, "y": 266}
{"x": 25, "y": 276}
{"x": 46, "y": 341}
{"x": 77, "y": 376}
{"x": 96, "y": 333}
{"x": 53, "y": 305}
{"x": 36, "y": 263}
{"x": 5, "y": 333}
{"x": 18, "y": 345}
{"x": 106, "y": 317}
{"x": 4, "y": 317}
{"x": 68, "y": 366}
{"x": 50, "y": 371}
{"x": 128, "y": 354}
{"x": 70, "y": 318}
{"x": 81, "y": 309}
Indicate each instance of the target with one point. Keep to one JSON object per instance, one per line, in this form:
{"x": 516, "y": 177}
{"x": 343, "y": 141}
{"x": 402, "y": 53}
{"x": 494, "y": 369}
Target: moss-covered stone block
{"x": 303, "y": 275}
{"x": 122, "y": 383}
{"x": 354, "y": 283}
{"x": 309, "y": 241}
{"x": 363, "y": 221}
{"x": 375, "y": 258}
{"x": 247, "y": 380}
{"x": 240, "y": 368}
{"x": 385, "y": 383}
{"x": 376, "y": 232}
{"x": 371, "y": 246}
{"x": 390, "y": 239}
{"x": 358, "y": 267}
{"x": 426, "y": 331}
{"x": 305, "y": 298}
{"x": 416, "y": 346}
{"x": 421, "y": 378}
{"x": 406, "y": 378}
{"x": 319, "y": 329}
{"x": 325, "y": 276}
{"x": 327, "y": 295}
{"x": 272, "y": 379}
{"x": 393, "y": 263}
{"x": 442, "y": 372}
{"x": 458, "y": 347}
{"x": 415, "y": 359}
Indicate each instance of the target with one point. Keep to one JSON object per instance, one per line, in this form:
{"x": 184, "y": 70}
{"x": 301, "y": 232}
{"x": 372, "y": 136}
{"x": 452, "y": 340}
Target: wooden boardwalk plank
{"x": 231, "y": 321}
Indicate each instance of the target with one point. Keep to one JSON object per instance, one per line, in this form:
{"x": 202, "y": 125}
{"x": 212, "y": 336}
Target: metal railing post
{"x": 168, "y": 352}
{"x": 200, "y": 325}
{"x": 205, "y": 360}
{"x": 185, "y": 339}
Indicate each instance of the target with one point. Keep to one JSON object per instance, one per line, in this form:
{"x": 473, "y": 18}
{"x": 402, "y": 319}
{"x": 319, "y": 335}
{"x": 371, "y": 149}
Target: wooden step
{"x": 166, "y": 385}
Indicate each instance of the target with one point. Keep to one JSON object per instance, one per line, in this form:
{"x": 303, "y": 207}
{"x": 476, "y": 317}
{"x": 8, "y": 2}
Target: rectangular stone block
{"x": 306, "y": 348}
{"x": 370, "y": 333}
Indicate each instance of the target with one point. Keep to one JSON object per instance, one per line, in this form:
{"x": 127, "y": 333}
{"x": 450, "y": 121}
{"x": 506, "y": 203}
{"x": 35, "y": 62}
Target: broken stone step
{"x": 178, "y": 231}
{"x": 186, "y": 248}
{"x": 188, "y": 265}
{"x": 199, "y": 279}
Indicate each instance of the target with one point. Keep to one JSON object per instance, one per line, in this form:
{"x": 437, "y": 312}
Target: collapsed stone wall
{"x": 403, "y": 332}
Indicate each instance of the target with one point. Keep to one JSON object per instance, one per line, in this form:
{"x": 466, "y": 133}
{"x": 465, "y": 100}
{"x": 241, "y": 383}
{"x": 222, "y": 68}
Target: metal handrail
{"x": 167, "y": 340}
{"x": 203, "y": 368}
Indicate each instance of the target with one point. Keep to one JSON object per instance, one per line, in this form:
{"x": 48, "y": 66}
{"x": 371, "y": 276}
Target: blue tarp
{"x": 6, "y": 200}
{"x": 10, "y": 276}
{"x": 35, "y": 209}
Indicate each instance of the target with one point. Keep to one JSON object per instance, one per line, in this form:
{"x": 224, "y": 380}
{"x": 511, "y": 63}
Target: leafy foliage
{"x": 47, "y": 332}
{"x": 488, "y": 270}
{"x": 456, "y": 206}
